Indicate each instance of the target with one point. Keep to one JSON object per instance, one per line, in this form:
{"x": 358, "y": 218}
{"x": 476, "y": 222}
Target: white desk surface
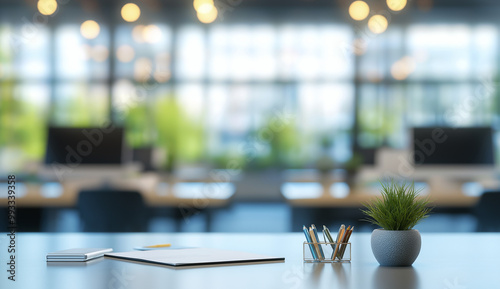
{"x": 446, "y": 261}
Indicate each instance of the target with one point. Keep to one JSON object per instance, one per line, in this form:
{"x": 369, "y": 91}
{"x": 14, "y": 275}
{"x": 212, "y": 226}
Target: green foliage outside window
{"x": 139, "y": 127}
{"x": 80, "y": 109}
{"x": 181, "y": 136}
{"x": 376, "y": 126}
{"x": 285, "y": 147}
{"x": 22, "y": 127}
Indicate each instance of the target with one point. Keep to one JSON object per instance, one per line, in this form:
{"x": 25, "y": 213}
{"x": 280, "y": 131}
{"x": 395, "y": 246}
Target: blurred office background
{"x": 245, "y": 115}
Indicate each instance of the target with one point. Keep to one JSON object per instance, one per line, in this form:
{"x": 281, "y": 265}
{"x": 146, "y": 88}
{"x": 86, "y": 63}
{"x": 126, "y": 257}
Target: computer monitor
{"x": 463, "y": 146}
{"x": 367, "y": 154}
{"x": 86, "y": 146}
{"x": 89, "y": 153}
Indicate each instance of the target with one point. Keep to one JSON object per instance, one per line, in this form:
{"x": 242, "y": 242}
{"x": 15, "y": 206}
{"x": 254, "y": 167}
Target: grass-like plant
{"x": 399, "y": 208}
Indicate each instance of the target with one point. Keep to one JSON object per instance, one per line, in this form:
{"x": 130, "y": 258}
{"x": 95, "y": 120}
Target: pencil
{"x": 158, "y": 246}
{"x": 342, "y": 241}
{"x": 315, "y": 242}
{"x": 339, "y": 237}
{"x": 336, "y": 240}
{"x": 315, "y": 231}
{"x": 346, "y": 241}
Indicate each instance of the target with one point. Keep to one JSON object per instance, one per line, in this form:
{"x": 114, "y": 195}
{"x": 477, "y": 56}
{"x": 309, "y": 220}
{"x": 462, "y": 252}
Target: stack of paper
{"x": 193, "y": 257}
{"x": 77, "y": 255}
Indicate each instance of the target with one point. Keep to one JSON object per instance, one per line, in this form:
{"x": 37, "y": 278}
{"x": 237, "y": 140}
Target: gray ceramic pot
{"x": 396, "y": 248}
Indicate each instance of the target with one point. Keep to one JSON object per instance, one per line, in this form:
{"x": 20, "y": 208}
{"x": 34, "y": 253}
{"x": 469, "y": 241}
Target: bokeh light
{"x": 130, "y": 12}
{"x": 47, "y": 7}
{"x": 377, "y": 24}
{"x": 90, "y": 29}
{"x": 396, "y": 5}
{"x": 86, "y": 52}
{"x": 359, "y": 46}
{"x": 137, "y": 33}
{"x": 143, "y": 68}
{"x": 209, "y": 16}
{"x": 162, "y": 76}
{"x": 359, "y": 10}
{"x": 125, "y": 53}
{"x": 203, "y": 6}
{"x": 162, "y": 71}
{"x": 151, "y": 34}
{"x": 100, "y": 53}
{"x": 163, "y": 57}
{"x": 402, "y": 68}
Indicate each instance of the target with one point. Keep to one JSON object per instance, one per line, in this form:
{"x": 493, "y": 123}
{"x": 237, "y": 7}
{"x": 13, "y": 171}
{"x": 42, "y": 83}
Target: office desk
{"x": 45, "y": 201}
{"x": 329, "y": 193}
{"x": 155, "y": 193}
{"x": 358, "y": 198}
{"x": 446, "y": 261}
{"x": 446, "y": 187}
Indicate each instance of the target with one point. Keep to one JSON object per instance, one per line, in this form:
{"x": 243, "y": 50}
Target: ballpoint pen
{"x": 328, "y": 237}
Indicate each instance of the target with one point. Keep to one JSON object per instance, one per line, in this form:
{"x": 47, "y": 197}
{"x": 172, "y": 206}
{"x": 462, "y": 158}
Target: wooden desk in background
{"x": 309, "y": 194}
{"x": 335, "y": 203}
{"x": 41, "y": 204}
{"x": 156, "y": 194}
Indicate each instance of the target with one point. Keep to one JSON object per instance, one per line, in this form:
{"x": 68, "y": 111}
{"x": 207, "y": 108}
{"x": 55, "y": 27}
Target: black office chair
{"x": 487, "y": 212}
{"x": 110, "y": 210}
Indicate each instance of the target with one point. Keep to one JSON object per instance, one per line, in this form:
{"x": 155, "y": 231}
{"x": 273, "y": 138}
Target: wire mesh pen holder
{"x": 323, "y": 252}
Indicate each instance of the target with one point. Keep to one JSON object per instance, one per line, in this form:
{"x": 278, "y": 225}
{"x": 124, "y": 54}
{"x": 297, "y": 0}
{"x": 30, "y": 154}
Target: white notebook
{"x": 77, "y": 254}
{"x": 193, "y": 257}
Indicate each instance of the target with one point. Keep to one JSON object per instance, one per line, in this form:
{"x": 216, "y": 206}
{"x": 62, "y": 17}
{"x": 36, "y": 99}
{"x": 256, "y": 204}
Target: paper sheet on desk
{"x": 193, "y": 257}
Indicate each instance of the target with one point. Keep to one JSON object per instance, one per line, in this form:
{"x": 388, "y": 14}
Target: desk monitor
{"x": 368, "y": 155}
{"x": 462, "y": 146}
{"x": 88, "y": 146}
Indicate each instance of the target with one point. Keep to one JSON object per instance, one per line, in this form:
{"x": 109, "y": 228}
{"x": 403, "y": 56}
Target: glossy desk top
{"x": 446, "y": 261}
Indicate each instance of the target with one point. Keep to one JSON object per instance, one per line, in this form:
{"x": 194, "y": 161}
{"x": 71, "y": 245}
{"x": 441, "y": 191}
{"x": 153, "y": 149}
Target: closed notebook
{"x": 77, "y": 254}
{"x": 193, "y": 257}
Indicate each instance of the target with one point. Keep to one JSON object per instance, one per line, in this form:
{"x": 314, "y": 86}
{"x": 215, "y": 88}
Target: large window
{"x": 231, "y": 80}
{"x": 425, "y": 75}
{"x": 203, "y": 92}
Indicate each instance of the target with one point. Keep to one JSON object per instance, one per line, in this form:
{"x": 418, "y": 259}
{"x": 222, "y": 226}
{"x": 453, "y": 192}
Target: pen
{"x": 328, "y": 237}
{"x": 308, "y": 239}
{"x": 158, "y": 246}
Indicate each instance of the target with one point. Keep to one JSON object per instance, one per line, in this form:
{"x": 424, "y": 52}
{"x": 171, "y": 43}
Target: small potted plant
{"x": 397, "y": 212}
{"x": 352, "y": 166}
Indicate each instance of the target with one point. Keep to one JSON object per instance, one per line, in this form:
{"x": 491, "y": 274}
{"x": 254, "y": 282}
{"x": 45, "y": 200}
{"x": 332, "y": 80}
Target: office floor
{"x": 255, "y": 217}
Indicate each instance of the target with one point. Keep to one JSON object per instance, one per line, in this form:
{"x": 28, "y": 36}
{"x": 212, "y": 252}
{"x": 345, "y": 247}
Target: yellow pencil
{"x": 158, "y": 246}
